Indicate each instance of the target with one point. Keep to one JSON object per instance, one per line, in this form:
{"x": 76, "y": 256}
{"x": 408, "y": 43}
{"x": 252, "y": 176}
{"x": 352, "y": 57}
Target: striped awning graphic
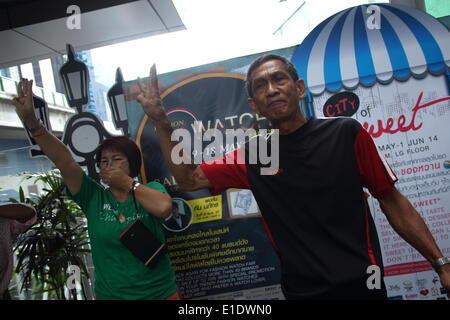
{"x": 345, "y": 50}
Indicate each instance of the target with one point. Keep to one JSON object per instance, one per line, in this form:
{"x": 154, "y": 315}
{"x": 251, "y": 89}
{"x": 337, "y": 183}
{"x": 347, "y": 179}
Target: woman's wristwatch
{"x": 134, "y": 186}
{"x": 440, "y": 262}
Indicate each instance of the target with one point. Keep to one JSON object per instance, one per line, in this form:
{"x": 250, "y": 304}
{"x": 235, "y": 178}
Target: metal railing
{"x": 10, "y": 86}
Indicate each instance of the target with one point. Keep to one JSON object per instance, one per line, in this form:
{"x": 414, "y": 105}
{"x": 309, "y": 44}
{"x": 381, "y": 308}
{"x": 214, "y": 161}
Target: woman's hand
{"x": 116, "y": 178}
{"x": 24, "y": 104}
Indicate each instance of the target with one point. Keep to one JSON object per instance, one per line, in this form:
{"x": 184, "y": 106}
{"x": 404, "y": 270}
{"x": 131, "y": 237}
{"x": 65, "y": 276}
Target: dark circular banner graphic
{"x": 181, "y": 217}
{"x": 343, "y": 104}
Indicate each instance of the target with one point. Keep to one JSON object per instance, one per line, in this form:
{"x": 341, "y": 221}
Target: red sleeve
{"x": 227, "y": 172}
{"x": 376, "y": 174}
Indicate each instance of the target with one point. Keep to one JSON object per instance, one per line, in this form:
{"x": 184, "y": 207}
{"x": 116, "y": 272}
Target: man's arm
{"x": 189, "y": 176}
{"x": 408, "y": 223}
{"x": 53, "y": 148}
{"x": 17, "y": 211}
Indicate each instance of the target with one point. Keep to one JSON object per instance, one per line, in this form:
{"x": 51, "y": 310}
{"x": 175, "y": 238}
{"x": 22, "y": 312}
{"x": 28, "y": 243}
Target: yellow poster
{"x": 206, "y": 209}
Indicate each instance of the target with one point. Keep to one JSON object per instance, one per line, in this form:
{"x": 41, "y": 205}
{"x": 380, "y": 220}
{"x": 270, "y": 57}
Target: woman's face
{"x": 114, "y": 159}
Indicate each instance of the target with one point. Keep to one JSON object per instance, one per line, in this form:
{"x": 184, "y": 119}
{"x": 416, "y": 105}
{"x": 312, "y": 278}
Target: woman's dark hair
{"x": 259, "y": 61}
{"x": 123, "y": 145}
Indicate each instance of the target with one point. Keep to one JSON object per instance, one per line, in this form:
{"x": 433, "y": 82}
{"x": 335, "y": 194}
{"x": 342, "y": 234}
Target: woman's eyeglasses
{"x": 111, "y": 163}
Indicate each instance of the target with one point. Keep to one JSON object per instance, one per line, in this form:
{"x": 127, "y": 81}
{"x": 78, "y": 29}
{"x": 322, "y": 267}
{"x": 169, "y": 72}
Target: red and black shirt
{"x": 315, "y": 206}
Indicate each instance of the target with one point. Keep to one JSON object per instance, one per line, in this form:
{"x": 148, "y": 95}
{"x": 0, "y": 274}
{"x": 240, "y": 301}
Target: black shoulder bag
{"x": 141, "y": 241}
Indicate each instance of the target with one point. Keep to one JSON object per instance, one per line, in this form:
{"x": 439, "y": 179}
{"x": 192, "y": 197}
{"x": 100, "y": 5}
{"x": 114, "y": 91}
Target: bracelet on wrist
{"x": 440, "y": 262}
{"x": 39, "y": 132}
{"x": 35, "y": 128}
{"x": 134, "y": 186}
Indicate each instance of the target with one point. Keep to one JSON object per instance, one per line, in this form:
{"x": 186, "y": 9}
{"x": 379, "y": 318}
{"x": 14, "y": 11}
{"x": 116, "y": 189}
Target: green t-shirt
{"x": 118, "y": 273}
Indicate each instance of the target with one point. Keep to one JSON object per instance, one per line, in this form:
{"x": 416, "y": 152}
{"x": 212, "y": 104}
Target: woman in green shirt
{"x": 110, "y": 211}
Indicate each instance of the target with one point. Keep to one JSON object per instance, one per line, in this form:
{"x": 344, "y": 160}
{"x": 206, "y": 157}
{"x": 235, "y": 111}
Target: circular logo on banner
{"x": 181, "y": 217}
{"x": 343, "y": 104}
{"x": 180, "y": 117}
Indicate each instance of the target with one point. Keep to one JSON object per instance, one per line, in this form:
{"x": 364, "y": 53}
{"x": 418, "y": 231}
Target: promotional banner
{"x": 218, "y": 245}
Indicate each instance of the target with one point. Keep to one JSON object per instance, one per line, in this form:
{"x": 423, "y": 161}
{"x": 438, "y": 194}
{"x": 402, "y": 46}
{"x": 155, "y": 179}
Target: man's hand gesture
{"x": 150, "y": 99}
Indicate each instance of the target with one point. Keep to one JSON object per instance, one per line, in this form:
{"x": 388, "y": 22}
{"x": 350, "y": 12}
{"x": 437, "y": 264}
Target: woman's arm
{"x": 53, "y": 148}
{"x": 154, "y": 201}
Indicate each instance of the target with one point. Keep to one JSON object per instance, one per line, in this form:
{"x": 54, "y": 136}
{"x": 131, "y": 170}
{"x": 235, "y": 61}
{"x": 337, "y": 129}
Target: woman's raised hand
{"x": 24, "y": 103}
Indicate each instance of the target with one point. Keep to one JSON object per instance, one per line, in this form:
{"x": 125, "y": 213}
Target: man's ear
{"x": 252, "y": 105}
{"x": 301, "y": 88}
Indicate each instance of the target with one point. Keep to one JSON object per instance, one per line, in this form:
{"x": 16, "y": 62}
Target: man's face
{"x": 275, "y": 93}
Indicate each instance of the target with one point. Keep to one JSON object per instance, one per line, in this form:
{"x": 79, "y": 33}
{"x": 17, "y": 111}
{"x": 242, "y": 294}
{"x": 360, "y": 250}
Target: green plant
{"x": 57, "y": 240}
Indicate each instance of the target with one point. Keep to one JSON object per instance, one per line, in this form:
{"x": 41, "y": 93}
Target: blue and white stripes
{"x": 343, "y": 52}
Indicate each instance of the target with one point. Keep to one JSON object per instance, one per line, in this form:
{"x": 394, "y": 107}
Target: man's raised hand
{"x": 150, "y": 99}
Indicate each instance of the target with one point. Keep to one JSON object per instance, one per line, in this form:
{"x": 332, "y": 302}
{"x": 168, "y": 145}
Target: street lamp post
{"x": 116, "y": 100}
{"x": 75, "y": 76}
{"x": 41, "y": 111}
{"x": 84, "y": 131}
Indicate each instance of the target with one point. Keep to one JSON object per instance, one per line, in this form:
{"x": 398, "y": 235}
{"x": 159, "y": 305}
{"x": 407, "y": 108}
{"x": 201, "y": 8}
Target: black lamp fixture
{"x": 116, "y": 100}
{"x": 75, "y": 76}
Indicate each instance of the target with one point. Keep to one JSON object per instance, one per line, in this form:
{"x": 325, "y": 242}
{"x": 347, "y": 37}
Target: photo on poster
{"x": 181, "y": 217}
{"x": 242, "y": 204}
